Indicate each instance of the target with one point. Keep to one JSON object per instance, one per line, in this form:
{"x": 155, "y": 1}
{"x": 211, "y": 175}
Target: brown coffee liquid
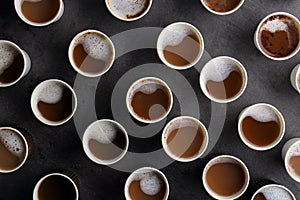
{"x": 136, "y": 193}
{"x": 56, "y": 187}
{"x": 295, "y": 164}
{"x": 260, "y": 133}
{"x": 151, "y": 106}
{"x": 226, "y": 179}
{"x": 185, "y": 142}
{"x": 184, "y": 53}
{"x": 222, "y": 5}
{"x": 14, "y": 71}
{"x": 87, "y": 63}
{"x": 139, "y": 13}
{"x": 259, "y": 196}
{"x": 280, "y": 43}
{"x": 227, "y": 88}
{"x": 60, "y": 110}
{"x": 108, "y": 151}
{"x": 40, "y": 11}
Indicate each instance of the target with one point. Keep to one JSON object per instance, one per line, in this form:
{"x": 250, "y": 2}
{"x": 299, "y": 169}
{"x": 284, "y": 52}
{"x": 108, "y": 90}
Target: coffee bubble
{"x": 51, "y": 93}
{"x": 13, "y": 142}
{"x": 150, "y": 183}
{"x": 128, "y": 8}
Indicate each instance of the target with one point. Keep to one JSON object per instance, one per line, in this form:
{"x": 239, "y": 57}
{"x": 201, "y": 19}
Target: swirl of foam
{"x": 173, "y": 36}
{"x": 150, "y": 183}
{"x": 127, "y": 7}
{"x": 262, "y": 114}
{"x": 276, "y": 193}
{"x": 7, "y": 55}
{"x": 275, "y": 25}
{"x": 219, "y": 70}
{"x": 12, "y": 142}
{"x": 51, "y": 93}
{"x": 103, "y": 132}
{"x": 96, "y": 46}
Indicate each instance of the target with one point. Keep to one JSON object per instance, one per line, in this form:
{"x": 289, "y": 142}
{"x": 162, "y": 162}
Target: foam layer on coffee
{"x": 219, "y": 70}
{"x": 293, "y": 152}
{"x": 8, "y": 54}
{"x": 149, "y": 182}
{"x": 262, "y": 114}
{"x": 13, "y": 142}
{"x": 180, "y": 123}
{"x": 96, "y": 46}
{"x": 274, "y": 192}
{"x": 128, "y": 8}
{"x": 276, "y": 24}
{"x": 51, "y": 93}
{"x": 104, "y": 132}
{"x": 173, "y": 36}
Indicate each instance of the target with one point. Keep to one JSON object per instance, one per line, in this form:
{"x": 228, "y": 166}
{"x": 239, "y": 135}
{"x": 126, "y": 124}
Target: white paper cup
{"x": 177, "y": 28}
{"x": 26, "y": 149}
{"x": 257, "y": 39}
{"x": 37, "y": 186}
{"x": 255, "y": 108}
{"x": 140, "y": 171}
{"x": 98, "y": 127}
{"x": 71, "y": 50}
{"x": 222, "y": 13}
{"x": 18, "y": 8}
{"x": 114, "y": 12}
{"x": 35, "y": 98}
{"x": 287, "y": 152}
{"x": 295, "y": 78}
{"x": 225, "y": 159}
{"x": 180, "y": 122}
{"x": 27, "y": 63}
{"x": 211, "y": 68}
{"x": 137, "y": 84}
{"x": 274, "y": 186}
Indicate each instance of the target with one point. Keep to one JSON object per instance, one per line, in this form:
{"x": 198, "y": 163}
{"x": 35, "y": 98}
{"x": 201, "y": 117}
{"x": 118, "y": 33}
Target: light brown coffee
{"x": 222, "y": 5}
{"x": 260, "y": 196}
{"x": 56, "y": 187}
{"x": 295, "y": 164}
{"x": 40, "y": 11}
{"x": 12, "y": 149}
{"x": 226, "y": 179}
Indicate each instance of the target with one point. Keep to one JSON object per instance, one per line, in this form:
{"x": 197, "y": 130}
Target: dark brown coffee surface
{"x": 60, "y": 110}
{"x": 108, "y": 151}
{"x": 40, "y": 11}
{"x": 14, "y": 71}
{"x": 260, "y": 133}
{"x": 136, "y": 193}
{"x": 56, "y": 187}
{"x": 226, "y": 179}
{"x": 227, "y": 88}
{"x": 222, "y": 5}
{"x": 280, "y": 43}
{"x": 184, "y": 53}
{"x": 259, "y": 196}
{"x": 9, "y": 160}
{"x": 87, "y": 63}
{"x": 151, "y": 106}
{"x": 295, "y": 164}
{"x": 186, "y": 141}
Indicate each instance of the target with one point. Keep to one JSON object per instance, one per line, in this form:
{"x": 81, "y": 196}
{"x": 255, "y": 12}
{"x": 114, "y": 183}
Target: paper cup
{"x": 295, "y": 78}
{"x": 222, "y": 13}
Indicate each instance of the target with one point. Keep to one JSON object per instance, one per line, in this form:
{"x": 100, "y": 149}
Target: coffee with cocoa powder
{"x": 222, "y": 5}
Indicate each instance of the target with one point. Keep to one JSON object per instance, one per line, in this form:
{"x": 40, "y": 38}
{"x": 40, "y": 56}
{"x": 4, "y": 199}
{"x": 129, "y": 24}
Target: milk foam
{"x": 275, "y": 25}
{"x": 276, "y": 193}
{"x": 96, "y": 46}
{"x": 12, "y": 142}
{"x": 7, "y": 55}
{"x": 173, "y": 36}
{"x": 149, "y": 88}
{"x": 51, "y": 93}
{"x": 294, "y": 151}
{"x": 149, "y": 182}
{"x": 219, "y": 70}
{"x": 127, "y": 7}
{"x": 262, "y": 114}
{"x": 103, "y": 132}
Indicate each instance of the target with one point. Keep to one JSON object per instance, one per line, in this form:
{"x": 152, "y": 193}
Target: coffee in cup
{"x": 273, "y": 191}
{"x": 291, "y": 158}
{"x": 222, "y": 7}
{"x": 295, "y": 78}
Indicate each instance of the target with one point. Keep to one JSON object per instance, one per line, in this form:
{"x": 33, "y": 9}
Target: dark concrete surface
{"x": 59, "y": 148}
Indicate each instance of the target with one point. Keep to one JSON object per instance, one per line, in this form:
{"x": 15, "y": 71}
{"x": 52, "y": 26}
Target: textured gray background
{"x": 58, "y": 148}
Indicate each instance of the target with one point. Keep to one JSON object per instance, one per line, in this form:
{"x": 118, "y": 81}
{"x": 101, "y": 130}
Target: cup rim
{"x": 295, "y": 79}
{"x": 94, "y": 158}
{"x": 140, "y": 170}
{"x": 160, "y": 38}
{"x": 37, "y": 113}
{"x": 71, "y": 49}
{"x": 256, "y": 36}
{"x": 24, "y": 66}
{"x": 274, "y": 185}
{"x": 281, "y": 121}
{"x": 128, "y": 102}
{"x": 26, "y": 149}
{"x": 295, "y": 178}
{"x": 222, "y": 13}
{"x": 36, "y": 188}
{"x": 17, "y": 4}
{"x": 202, "y": 148}
{"x": 242, "y": 70}
{"x": 126, "y": 19}
{"x": 234, "y": 196}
